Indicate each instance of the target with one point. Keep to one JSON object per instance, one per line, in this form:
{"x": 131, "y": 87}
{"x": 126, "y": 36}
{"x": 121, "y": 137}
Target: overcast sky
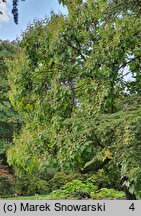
{"x": 28, "y": 11}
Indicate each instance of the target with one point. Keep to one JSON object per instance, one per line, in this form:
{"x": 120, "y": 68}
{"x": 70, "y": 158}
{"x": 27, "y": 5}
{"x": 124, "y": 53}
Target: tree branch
{"x": 95, "y": 166}
{"x": 126, "y": 63}
{"x": 75, "y": 48}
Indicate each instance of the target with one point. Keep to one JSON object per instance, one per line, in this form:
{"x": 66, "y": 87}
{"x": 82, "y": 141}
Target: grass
{"x": 36, "y": 197}
{"x": 118, "y": 196}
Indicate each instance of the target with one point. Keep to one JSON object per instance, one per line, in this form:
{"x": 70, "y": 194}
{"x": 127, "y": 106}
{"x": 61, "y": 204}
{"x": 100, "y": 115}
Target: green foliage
{"x": 29, "y": 185}
{"x": 83, "y": 190}
{"x": 9, "y": 120}
{"x": 60, "y": 179}
{"x": 74, "y": 188}
{"x": 76, "y": 81}
{"x": 7, "y": 186}
{"x": 109, "y": 177}
{"x": 108, "y": 193}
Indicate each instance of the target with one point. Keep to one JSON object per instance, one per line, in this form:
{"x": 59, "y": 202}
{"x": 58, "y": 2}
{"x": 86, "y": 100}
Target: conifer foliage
{"x": 14, "y": 9}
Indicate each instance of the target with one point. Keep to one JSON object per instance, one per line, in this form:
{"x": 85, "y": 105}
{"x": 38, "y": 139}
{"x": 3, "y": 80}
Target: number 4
{"x": 132, "y": 207}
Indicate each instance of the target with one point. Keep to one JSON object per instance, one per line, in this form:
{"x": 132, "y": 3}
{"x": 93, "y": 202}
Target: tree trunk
{"x": 128, "y": 195}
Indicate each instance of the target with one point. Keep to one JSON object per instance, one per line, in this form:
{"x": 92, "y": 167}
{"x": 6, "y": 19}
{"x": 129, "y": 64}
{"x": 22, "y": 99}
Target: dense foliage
{"x": 77, "y": 83}
{"x": 115, "y": 6}
{"x": 9, "y": 119}
{"x": 84, "y": 190}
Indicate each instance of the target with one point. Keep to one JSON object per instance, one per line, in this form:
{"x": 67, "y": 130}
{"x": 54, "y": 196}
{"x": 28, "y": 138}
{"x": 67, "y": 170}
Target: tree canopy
{"x": 115, "y": 6}
{"x": 76, "y": 81}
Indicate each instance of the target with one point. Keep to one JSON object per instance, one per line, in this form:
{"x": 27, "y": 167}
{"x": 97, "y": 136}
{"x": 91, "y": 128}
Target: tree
{"x": 8, "y": 117}
{"x": 81, "y": 108}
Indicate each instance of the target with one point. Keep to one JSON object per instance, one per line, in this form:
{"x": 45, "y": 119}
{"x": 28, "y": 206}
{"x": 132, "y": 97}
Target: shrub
{"x": 7, "y": 188}
{"x": 61, "y": 178}
{"x": 77, "y": 189}
{"x": 74, "y": 189}
{"x": 105, "y": 178}
{"x": 30, "y": 185}
{"x": 108, "y": 193}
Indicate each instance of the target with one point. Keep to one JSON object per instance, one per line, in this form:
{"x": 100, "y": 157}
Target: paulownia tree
{"x": 77, "y": 83}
